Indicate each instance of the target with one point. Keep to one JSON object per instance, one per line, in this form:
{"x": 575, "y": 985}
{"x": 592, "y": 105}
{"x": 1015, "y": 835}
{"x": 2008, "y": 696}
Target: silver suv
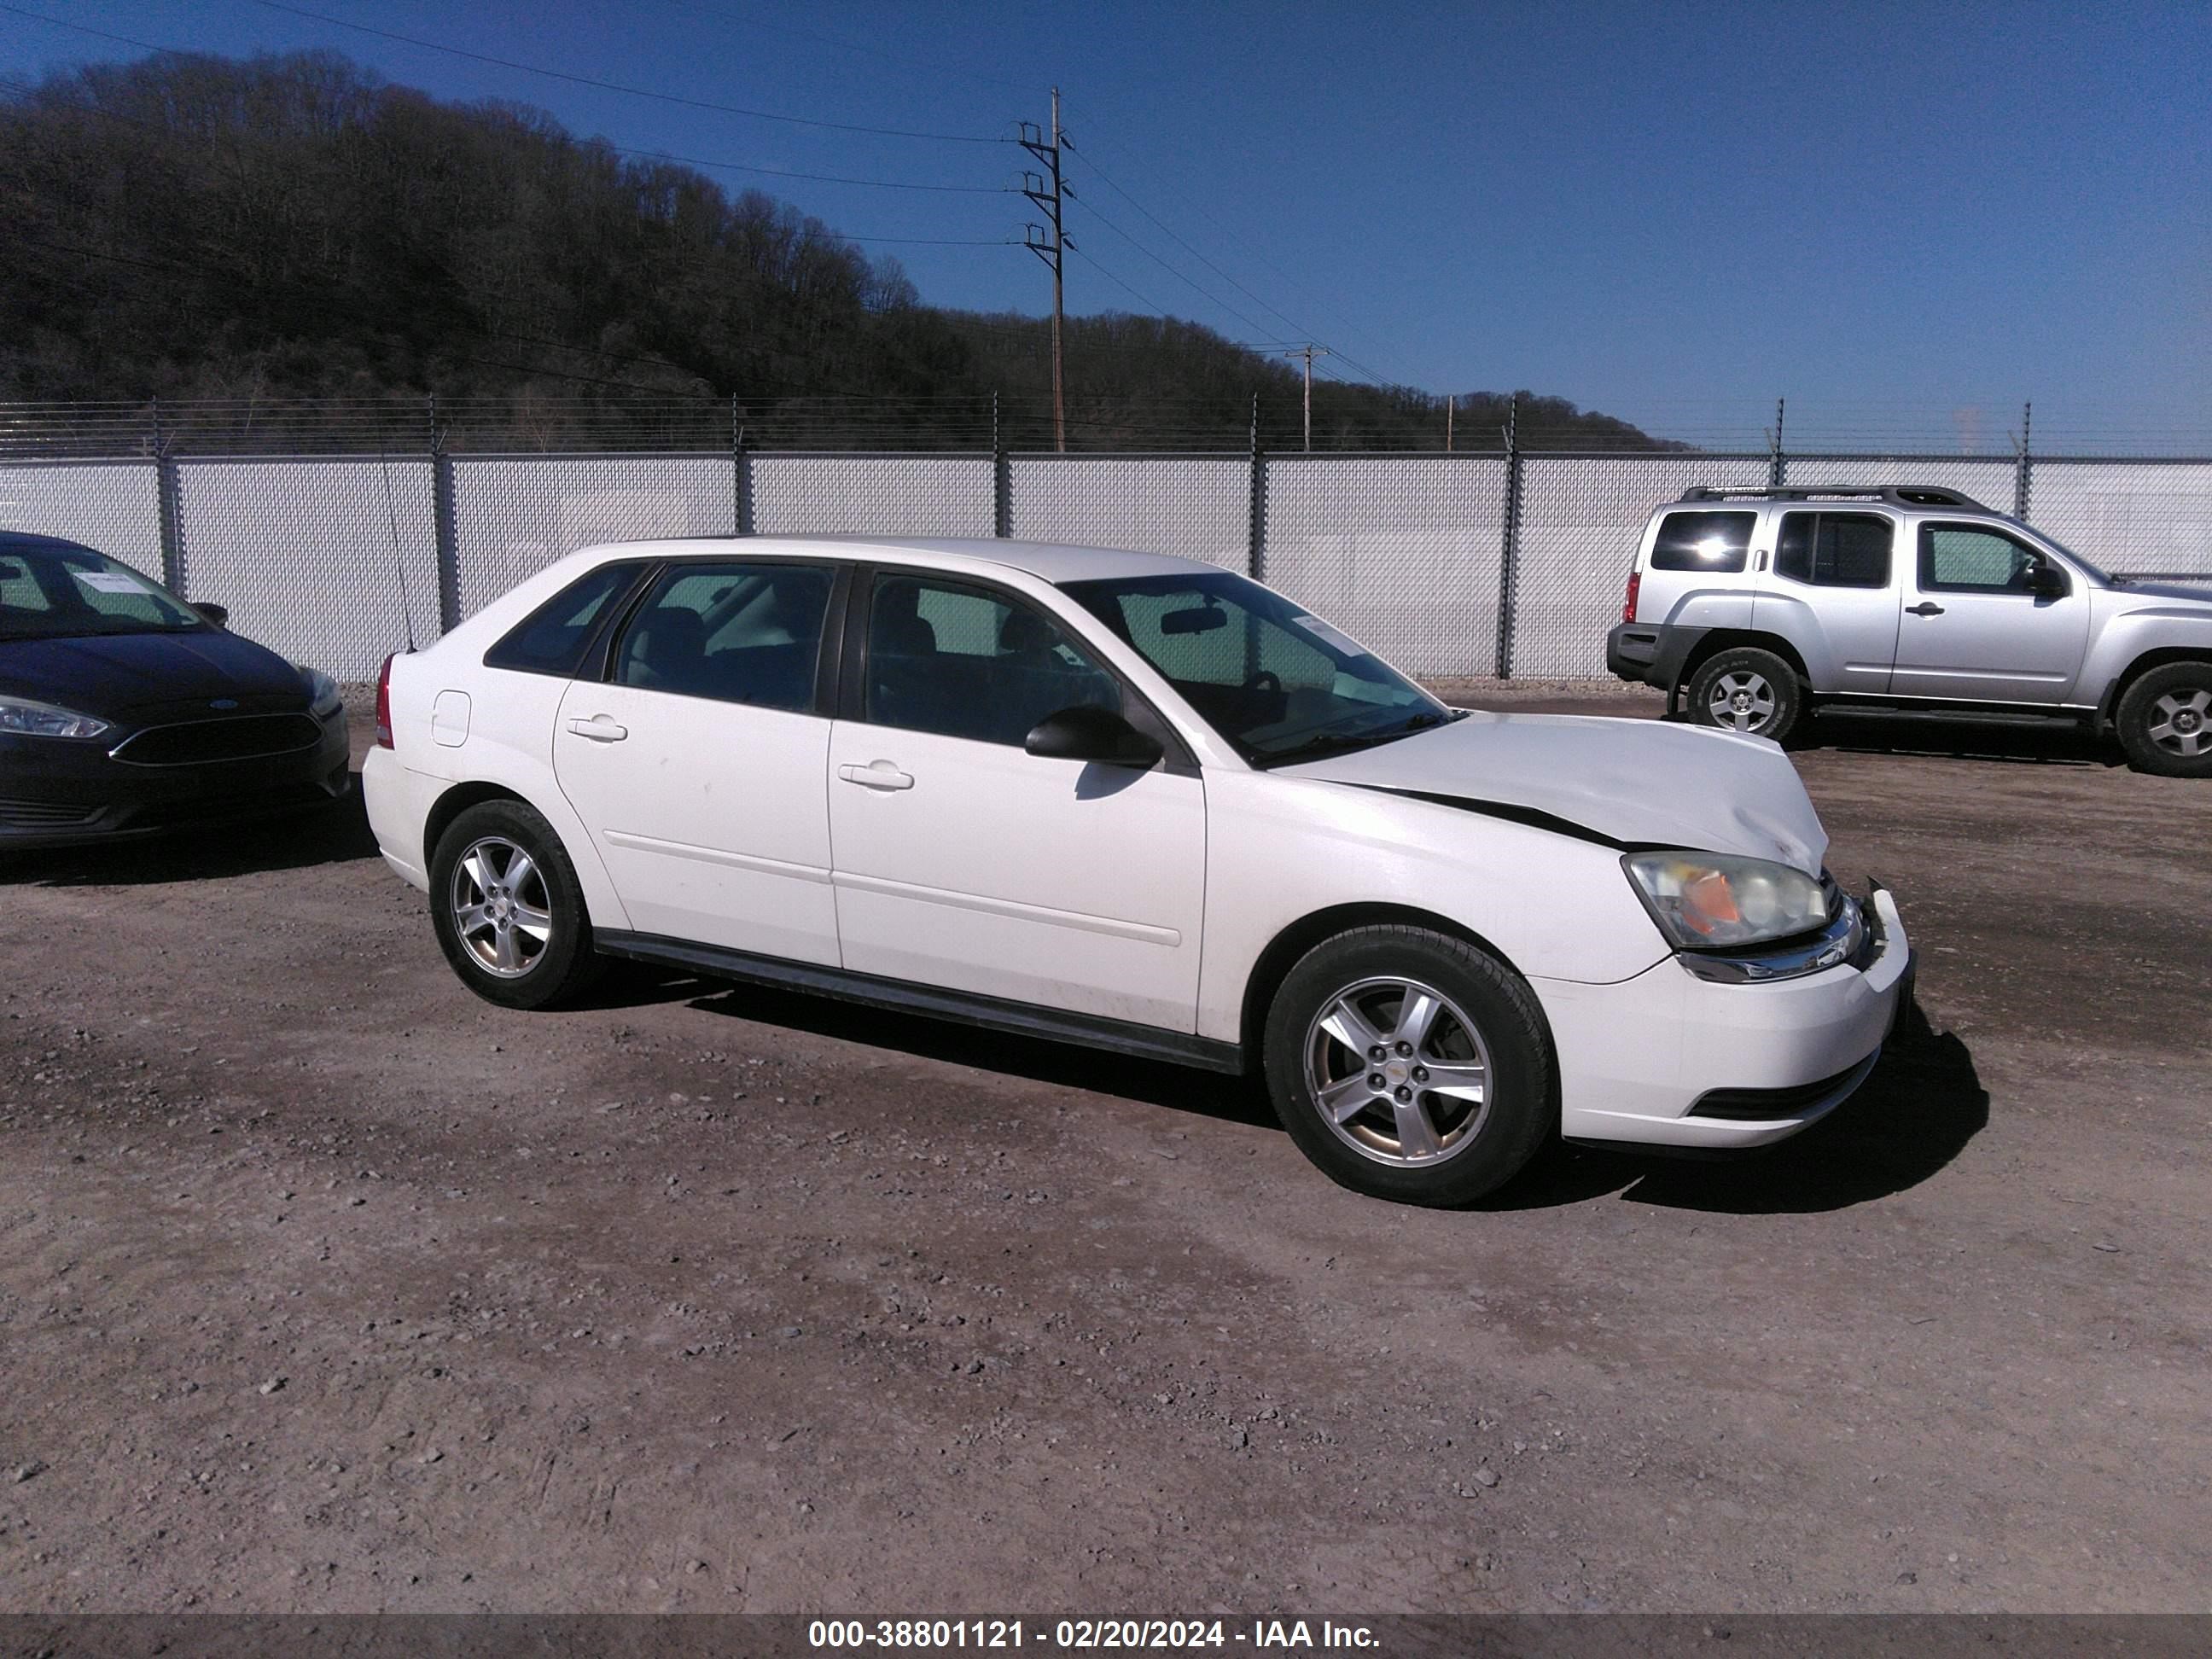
{"x": 1761, "y": 605}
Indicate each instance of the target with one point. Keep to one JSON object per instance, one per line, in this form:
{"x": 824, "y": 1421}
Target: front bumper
{"x": 60, "y": 793}
{"x": 1668, "y": 1058}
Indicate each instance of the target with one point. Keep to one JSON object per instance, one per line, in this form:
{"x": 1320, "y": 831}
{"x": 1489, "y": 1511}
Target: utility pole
{"x": 1451, "y": 408}
{"x": 1308, "y": 352}
{"x": 1033, "y": 186}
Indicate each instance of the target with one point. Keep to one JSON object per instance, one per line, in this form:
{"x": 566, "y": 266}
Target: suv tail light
{"x": 384, "y": 704}
{"x": 1627, "y": 607}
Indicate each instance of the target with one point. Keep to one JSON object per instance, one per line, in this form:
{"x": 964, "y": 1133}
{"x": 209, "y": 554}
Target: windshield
{"x": 61, "y": 591}
{"x": 1280, "y": 685}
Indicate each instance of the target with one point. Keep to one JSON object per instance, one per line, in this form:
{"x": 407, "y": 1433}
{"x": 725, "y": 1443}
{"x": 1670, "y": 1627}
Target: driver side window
{"x": 964, "y": 662}
{"x": 1956, "y": 558}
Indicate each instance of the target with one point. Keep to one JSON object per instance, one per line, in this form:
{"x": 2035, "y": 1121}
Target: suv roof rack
{"x": 1894, "y": 494}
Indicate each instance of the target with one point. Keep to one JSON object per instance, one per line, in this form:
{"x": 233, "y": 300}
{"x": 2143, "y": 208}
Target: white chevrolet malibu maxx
{"x": 1144, "y": 803}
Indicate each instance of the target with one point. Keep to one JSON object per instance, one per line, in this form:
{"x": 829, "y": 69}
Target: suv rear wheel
{"x": 2165, "y": 720}
{"x": 1410, "y": 1065}
{"x": 1747, "y": 689}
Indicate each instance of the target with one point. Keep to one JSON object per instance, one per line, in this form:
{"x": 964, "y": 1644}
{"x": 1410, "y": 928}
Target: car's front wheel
{"x": 508, "y": 910}
{"x": 1747, "y": 689}
{"x": 2165, "y": 720}
{"x": 1410, "y": 1065}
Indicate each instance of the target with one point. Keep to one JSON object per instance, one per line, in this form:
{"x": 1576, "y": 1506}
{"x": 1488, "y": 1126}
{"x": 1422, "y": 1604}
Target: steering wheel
{"x": 1264, "y": 679}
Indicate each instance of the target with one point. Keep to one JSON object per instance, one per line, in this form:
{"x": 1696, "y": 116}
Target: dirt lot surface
{"x": 325, "y": 1286}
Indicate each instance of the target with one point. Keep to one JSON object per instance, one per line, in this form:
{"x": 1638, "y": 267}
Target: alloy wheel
{"x": 502, "y": 910}
{"x": 1743, "y": 700}
{"x": 2181, "y": 722}
{"x": 1398, "y": 1071}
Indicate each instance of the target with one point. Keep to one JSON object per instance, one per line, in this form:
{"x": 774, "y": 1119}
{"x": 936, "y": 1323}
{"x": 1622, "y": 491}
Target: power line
{"x": 819, "y": 177}
{"x": 1379, "y": 379}
{"x": 615, "y": 86}
{"x": 1148, "y": 305}
{"x": 1179, "y": 276}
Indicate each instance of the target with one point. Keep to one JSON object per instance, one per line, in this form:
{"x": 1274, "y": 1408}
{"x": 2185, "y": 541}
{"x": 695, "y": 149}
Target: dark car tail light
{"x": 1627, "y": 608}
{"x": 384, "y": 704}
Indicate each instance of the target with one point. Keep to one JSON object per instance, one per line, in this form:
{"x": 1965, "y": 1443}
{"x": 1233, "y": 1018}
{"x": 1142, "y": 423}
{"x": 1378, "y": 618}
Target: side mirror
{"x": 1089, "y": 734}
{"x": 215, "y": 614}
{"x": 2046, "y": 581}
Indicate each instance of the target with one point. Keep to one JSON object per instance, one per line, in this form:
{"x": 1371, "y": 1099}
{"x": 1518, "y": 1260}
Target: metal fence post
{"x": 1002, "y": 478}
{"x": 1255, "y": 547}
{"x": 1777, "y": 464}
{"x": 445, "y": 529}
{"x": 1509, "y": 544}
{"x": 2023, "y": 472}
{"x": 741, "y": 467}
{"x": 167, "y": 503}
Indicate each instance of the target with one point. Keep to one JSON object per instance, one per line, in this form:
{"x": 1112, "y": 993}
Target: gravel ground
{"x": 325, "y": 1286}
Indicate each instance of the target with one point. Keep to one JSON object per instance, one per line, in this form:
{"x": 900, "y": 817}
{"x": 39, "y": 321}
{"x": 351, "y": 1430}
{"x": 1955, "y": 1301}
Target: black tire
{"x": 1473, "y": 1152}
{"x": 1755, "y": 691}
{"x": 544, "y": 971}
{"x": 2163, "y": 714}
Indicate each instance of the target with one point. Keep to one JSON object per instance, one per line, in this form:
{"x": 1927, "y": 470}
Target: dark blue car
{"x": 124, "y": 711}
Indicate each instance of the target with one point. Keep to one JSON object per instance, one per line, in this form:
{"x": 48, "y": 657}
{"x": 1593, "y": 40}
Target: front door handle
{"x": 877, "y": 775}
{"x": 600, "y": 729}
{"x": 1925, "y": 608}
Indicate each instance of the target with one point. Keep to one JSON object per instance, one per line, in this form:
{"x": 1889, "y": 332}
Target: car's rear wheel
{"x": 1410, "y": 1065}
{"x": 508, "y": 910}
{"x": 2165, "y": 720}
{"x": 1747, "y": 689}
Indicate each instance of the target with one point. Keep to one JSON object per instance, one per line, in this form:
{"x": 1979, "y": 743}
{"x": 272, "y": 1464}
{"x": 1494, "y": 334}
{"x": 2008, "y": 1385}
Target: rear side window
{"x": 1703, "y": 541}
{"x": 743, "y": 632}
{"x": 552, "y": 639}
{"x": 1835, "y": 550}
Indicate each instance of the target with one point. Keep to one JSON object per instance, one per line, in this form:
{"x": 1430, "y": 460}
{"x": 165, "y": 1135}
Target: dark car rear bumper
{"x": 55, "y": 793}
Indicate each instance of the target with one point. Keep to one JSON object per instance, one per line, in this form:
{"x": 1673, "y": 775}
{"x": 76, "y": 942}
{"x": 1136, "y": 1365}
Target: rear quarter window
{"x": 553, "y": 638}
{"x": 1703, "y": 541}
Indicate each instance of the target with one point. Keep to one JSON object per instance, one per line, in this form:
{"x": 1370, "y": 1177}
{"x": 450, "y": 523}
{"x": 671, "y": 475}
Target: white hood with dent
{"x": 1629, "y": 779}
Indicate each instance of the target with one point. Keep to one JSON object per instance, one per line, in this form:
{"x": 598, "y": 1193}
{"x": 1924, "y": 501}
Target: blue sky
{"x": 1907, "y": 219}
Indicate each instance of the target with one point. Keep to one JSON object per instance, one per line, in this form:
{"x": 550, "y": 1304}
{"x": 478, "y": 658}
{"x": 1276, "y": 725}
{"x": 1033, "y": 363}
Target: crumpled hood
{"x": 114, "y": 675}
{"x": 1633, "y": 781}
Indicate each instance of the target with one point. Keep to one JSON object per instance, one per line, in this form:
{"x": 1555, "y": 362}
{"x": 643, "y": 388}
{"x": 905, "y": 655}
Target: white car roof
{"x": 1051, "y": 562}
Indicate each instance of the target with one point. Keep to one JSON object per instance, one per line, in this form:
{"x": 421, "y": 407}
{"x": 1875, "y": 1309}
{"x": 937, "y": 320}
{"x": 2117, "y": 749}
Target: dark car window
{"x": 1703, "y": 541}
{"x": 1835, "y": 550}
{"x": 552, "y": 639}
{"x": 964, "y": 663}
{"x": 56, "y": 592}
{"x": 741, "y": 633}
{"x": 1958, "y": 558}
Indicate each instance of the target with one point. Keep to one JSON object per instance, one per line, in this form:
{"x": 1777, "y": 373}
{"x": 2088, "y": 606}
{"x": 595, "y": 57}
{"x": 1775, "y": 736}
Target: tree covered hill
{"x": 291, "y": 228}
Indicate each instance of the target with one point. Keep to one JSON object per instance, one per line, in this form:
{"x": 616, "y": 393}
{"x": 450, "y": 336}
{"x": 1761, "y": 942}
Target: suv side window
{"x": 747, "y": 634}
{"x": 1703, "y": 541}
{"x": 1962, "y": 558}
{"x": 552, "y": 639}
{"x": 1835, "y": 550}
{"x": 963, "y": 662}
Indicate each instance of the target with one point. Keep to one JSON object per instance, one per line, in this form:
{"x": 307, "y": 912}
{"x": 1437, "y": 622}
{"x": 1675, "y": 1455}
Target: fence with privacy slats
{"x": 1460, "y": 564}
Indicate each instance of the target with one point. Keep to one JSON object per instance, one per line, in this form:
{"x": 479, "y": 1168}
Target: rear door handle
{"x": 1925, "y": 608}
{"x": 600, "y": 729}
{"x": 877, "y": 775}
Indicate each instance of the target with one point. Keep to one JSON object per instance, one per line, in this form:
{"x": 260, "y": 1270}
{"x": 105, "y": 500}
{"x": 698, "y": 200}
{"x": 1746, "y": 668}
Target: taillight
{"x": 1627, "y": 612}
{"x": 384, "y": 704}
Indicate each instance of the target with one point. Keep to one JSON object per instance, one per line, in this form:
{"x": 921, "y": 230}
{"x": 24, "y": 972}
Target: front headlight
{"x": 20, "y": 717}
{"x": 323, "y": 692}
{"x": 1705, "y": 901}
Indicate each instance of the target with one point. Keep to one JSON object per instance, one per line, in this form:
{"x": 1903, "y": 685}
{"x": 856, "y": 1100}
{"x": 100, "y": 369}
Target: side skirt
{"x": 990, "y": 1013}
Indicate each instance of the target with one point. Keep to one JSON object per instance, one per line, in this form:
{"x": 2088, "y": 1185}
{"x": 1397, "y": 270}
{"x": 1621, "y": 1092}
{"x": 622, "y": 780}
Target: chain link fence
{"x": 1461, "y": 565}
